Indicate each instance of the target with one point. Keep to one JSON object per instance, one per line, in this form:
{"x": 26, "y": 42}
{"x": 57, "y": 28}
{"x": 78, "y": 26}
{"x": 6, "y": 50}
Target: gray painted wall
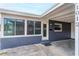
{"x": 0, "y": 43}
{"x": 53, "y": 36}
{"x": 19, "y": 41}
{"x": 65, "y": 34}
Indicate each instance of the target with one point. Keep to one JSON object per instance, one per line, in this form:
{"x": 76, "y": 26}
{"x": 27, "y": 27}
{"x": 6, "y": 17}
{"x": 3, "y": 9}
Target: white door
{"x": 44, "y": 31}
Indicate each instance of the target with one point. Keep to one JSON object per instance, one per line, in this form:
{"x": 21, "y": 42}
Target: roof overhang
{"x": 31, "y": 15}
{"x": 52, "y": 9}
{"x": 17, "y": 13}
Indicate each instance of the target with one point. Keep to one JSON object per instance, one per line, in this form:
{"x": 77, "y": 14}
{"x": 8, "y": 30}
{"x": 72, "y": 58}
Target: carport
{"x": 61, "y": 26}
{"x": 61, "y": 23}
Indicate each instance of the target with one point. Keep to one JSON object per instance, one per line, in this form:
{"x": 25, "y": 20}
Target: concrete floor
{"x": 58, "y": 48}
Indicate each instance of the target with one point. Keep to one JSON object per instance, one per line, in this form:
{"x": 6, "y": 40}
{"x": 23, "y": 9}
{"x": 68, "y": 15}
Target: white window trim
{"x": 2, "y": 27}
{"x": 47, "y": 31}
{"x": 60, "y": 26}
{"x": 25, "y": 27}
{"x": 19, "y": 36}
{"x": 25, "y": 34}
{"x": 14, "y": 29}
{"x": 34, "y": 28}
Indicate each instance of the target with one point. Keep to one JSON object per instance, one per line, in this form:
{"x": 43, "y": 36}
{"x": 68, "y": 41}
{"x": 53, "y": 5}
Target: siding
{"x": 19, "y": 41}
{"x": 65, "y": 34}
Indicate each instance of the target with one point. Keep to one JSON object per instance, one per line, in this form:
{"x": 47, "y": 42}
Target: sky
{"x": 33, "y": 8}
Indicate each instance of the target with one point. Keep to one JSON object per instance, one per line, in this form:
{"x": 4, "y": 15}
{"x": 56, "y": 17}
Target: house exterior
{"x": 17, "y": 28}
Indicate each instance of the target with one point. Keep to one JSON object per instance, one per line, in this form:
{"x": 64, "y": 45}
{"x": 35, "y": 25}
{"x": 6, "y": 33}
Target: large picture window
{"x": 13, "y": 27}
{"x": 20, "y": 27}
{"x": 30, "y": 27}
{"x": 9, "y": 27}
{"x": 33, "y": 27}
{"x": 37, "y": 27}
{"x": 17, "y": 27}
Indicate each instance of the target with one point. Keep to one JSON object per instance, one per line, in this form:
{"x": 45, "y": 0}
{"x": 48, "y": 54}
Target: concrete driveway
{"x": 58, "y": 48}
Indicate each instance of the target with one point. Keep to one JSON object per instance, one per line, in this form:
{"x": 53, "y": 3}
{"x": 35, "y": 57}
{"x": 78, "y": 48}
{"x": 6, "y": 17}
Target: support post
{"x": 77, "y": 29}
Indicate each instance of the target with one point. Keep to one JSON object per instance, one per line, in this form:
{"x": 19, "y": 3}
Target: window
{"x": 57, "y": 27}
{"x": 37, "y": 27}
{"x": 17, "y": 27}
{"x": 9, "y": 27}
{"x": 33, "y": 27}
{"x": 30, "y": 27}
{"x": 13, "y": 27}
{"x": 20, "y": 27}
{"x": 44, "y": 30}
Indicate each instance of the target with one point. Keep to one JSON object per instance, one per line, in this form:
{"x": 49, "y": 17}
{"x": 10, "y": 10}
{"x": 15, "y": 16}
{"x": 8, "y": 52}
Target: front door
{"x": 44, "y": 36}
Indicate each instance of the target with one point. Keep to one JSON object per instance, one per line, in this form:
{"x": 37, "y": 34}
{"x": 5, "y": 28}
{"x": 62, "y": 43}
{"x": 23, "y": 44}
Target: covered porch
{"x": 57, "y": 28}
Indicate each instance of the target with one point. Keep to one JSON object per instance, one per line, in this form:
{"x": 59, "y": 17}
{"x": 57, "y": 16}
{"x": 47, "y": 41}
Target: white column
{"x": 77, "y": 29}
{"x": 1, "y": 26}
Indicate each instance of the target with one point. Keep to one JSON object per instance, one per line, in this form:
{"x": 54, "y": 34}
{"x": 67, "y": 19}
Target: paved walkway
{"x": 58, "y": 48}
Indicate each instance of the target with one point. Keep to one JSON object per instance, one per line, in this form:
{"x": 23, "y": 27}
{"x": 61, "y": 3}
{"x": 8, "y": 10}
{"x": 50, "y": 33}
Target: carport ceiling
{"x": 67, "y": 14}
